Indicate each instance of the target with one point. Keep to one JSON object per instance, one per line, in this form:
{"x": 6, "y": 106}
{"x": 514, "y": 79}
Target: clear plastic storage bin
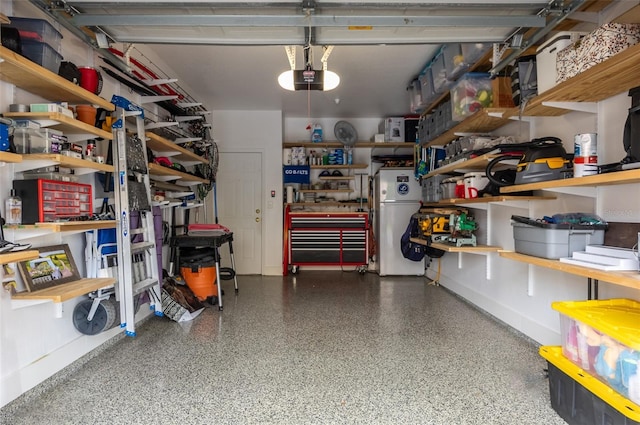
{"x": 603, "y": 338}
{"x": 471, "y": 93}
{"x": 42, "y": 54}
{"x": 39, "y": 30}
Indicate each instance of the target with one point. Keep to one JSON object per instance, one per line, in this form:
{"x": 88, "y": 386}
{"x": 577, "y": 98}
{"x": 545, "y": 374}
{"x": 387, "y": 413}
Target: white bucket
{"x": 474, "y": 182}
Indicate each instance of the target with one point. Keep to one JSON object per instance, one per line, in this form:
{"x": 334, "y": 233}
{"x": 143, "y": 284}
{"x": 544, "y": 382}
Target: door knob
{"x": 258, "y": 211}
{"x": 257, "y": 219}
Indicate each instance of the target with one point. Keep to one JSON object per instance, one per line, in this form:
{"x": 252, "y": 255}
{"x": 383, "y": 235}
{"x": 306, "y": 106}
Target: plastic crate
{"x": 473, "y": 52}
{"x": 603, "y": 338}
{"x": 553, "y": 241}
{"x": 580, "y": 399}
{"x": 426, "y": 86}
{"x": 42, "y": 54}
{"x": 470, "y": 93}
{"x": 441, "y": 82}
{"x": 38, "y": 30}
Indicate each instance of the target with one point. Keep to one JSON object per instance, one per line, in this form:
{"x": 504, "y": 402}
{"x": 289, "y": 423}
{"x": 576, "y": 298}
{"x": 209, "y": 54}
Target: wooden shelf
{"x": 629, "y": 279}
{"x": 162, "y": 145}
{"x": 10, "y": 157}
{"x": 81, "y": 166}
{"x": 477, "y": 163}
{"x": 340, "y": 145}
{"x": 482, "y": 121}
{"x": 616, "y": 75}
{"x": 352, "y": 166}
{"x": 452, "y": 248}
{"x": 336, "y": 177}
{"x": 326, "y": 190}
{"x": 66, "y": 291}
{"x": 63, "y": 226}
{"x": 27, "y": 75}
{"x": 490, "y": 199}
{"x": 327, "y": 204}
{"x": 619, "y": 177}
{"x": 12, "y": 257}
{"x": 170, "y": 172}
{"x": 63, "y": 123}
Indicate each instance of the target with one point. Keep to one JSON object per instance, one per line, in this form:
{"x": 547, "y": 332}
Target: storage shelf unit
{"x": 340, "y": 145}
{"x": 477, "y": 163}
{"x": 159, "y": 170}
{"x": 452, "y": 248}
{"x": 80, "y": 166}
{"x": 326, "y": 190}
{"x": 10, "y": 157}
{"x": 351, "y": 167}
{"x": 66, "y": 291}
{"x": 629, "y": 279}
{"x": 609, "y": 78}
{"x": 483, "y": 121}
{"x": 162, "y": 145}
{"x": 61, "y": 122}
{"x": 12, "y": 257}
{"x": 35, "y": 79}
{"x": 619, "y": 177}
{"x": 490, "y": 199}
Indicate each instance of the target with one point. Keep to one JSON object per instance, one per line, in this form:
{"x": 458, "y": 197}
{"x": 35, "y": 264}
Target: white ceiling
{"x": 231, "y": 53}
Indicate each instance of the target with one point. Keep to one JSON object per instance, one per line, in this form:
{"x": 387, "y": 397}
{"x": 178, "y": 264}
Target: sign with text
{"x": 297, "y": 174}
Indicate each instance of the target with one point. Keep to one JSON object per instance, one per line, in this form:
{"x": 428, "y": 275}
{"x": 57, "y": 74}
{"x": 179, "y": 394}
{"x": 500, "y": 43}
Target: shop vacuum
{"x": 540, "y": 160}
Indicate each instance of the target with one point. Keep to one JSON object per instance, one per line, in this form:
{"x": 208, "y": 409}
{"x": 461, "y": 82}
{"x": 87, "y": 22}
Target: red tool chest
{"x": 53, "y": 200}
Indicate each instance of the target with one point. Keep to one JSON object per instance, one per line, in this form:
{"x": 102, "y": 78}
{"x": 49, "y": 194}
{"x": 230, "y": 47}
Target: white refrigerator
{"x": 397, "y": 196}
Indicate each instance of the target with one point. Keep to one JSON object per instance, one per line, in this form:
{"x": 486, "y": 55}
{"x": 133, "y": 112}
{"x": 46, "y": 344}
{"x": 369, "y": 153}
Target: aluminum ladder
{"x": 137, "y": 252}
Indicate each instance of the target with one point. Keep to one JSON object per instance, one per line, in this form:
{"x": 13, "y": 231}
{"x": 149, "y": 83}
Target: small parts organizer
{"x": 52, "y": 200}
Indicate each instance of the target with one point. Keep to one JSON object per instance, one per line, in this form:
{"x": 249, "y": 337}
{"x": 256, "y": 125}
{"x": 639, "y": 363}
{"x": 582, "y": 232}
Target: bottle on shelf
{"x": 13, "y": 209}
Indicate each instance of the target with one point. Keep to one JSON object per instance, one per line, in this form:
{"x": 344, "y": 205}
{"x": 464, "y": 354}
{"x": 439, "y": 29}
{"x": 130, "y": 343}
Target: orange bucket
{"x": 86, "y": 114}
{"x": 200, "y": 276}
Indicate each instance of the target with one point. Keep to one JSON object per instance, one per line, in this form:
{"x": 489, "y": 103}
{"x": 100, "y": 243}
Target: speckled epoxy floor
{"x": 323, "y": 347}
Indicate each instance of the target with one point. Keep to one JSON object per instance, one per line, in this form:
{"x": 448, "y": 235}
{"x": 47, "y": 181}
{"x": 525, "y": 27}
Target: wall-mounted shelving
{"x": 452, "y": 248}
{"x": 609, "y": 78}
{"x": 629, "y": 279}
{"x": 80, "y": 166}
{"x": 29, "y": 231}
{"x": 471, "y": 164}
{"x": 490, "y": 199}
{"x": 350, "y": 167}
{"x": 326, "y": 190}
{"x": 483, "y": 121}
{"x": 615, "y": 178}
{"x": 35, "y": 79}
{"x": 61, "y": 122}
{"x": 171, "y": 174}
{"x": 8, "y": 157}
{"x": 340, "y": 145}
{"x": 167, "y": 148}
{"x": 12, "y": 257}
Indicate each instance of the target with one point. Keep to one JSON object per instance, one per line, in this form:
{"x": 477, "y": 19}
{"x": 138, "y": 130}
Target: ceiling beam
{"x": 527, "y": 21}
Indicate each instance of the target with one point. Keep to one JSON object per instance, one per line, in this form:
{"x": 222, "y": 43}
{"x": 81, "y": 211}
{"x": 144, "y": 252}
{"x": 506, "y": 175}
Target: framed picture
{"x": 54, "y": 266}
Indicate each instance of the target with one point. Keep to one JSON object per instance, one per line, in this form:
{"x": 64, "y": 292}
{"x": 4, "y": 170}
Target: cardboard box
{"x": 393, "y": 129}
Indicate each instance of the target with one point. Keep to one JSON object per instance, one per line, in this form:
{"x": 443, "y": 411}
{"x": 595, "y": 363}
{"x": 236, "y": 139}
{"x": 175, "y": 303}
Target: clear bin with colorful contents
{"x": 471, "y": 93}
{"x": 602, "y": 337}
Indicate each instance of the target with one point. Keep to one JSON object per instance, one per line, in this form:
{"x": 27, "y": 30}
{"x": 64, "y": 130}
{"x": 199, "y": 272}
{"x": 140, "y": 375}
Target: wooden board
{"x": 166, "y": 171}
{"x": 480, "y": 122}
{"x": 12, "y": 257}
{"x": 27, "y": 75}
{"x": 10, "y": 157}
{"x": 67, "y": 291}
{"x": 79, "y": 226}
{"x": 620, "y": 177}
{"x": 66, "y": 124}
{"x": 453, "y": 248}
{"x": 68, "y": 161}
{"x": 160, "y": 144}
{"x": 628, "y": 279}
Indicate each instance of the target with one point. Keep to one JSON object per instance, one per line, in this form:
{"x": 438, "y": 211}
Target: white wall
{"x": 257, "y": 131}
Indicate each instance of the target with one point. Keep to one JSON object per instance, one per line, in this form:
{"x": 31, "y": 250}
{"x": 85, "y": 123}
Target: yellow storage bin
{"x": 581, "y": 399}
{"x": 603, "y": 338}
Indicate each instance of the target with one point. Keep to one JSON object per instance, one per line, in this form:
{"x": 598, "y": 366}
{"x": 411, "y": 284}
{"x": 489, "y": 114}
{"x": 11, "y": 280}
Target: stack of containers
{"x": 40, "y": 42}
{"x": 595, "y": 374}
{"x": 471, "y": 93}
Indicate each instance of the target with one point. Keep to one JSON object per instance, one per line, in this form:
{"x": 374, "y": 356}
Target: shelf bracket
{"x": 530, "y": 281}
{"x": 591, "y": 107}
{"x": 160, "y": 81}
{"x": 152, "y": 99}
{"x": 160, "y": 124}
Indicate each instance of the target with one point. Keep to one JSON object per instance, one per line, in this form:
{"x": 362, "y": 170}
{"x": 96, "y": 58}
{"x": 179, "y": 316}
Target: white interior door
{"x": 239, "y": 193}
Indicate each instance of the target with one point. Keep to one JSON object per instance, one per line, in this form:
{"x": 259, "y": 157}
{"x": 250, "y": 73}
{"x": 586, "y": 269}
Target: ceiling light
{"x": 309, "y": 78}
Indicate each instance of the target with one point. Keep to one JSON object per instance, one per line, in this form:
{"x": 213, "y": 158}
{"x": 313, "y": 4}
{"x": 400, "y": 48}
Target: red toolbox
{"x": 53, "y": 200}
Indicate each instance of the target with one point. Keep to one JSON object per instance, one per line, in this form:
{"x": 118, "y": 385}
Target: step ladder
{"x": 137, "y": 252}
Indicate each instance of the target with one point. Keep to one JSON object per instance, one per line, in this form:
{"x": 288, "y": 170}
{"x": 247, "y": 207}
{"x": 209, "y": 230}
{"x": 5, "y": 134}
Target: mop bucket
{"x": 198, "y": 269}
